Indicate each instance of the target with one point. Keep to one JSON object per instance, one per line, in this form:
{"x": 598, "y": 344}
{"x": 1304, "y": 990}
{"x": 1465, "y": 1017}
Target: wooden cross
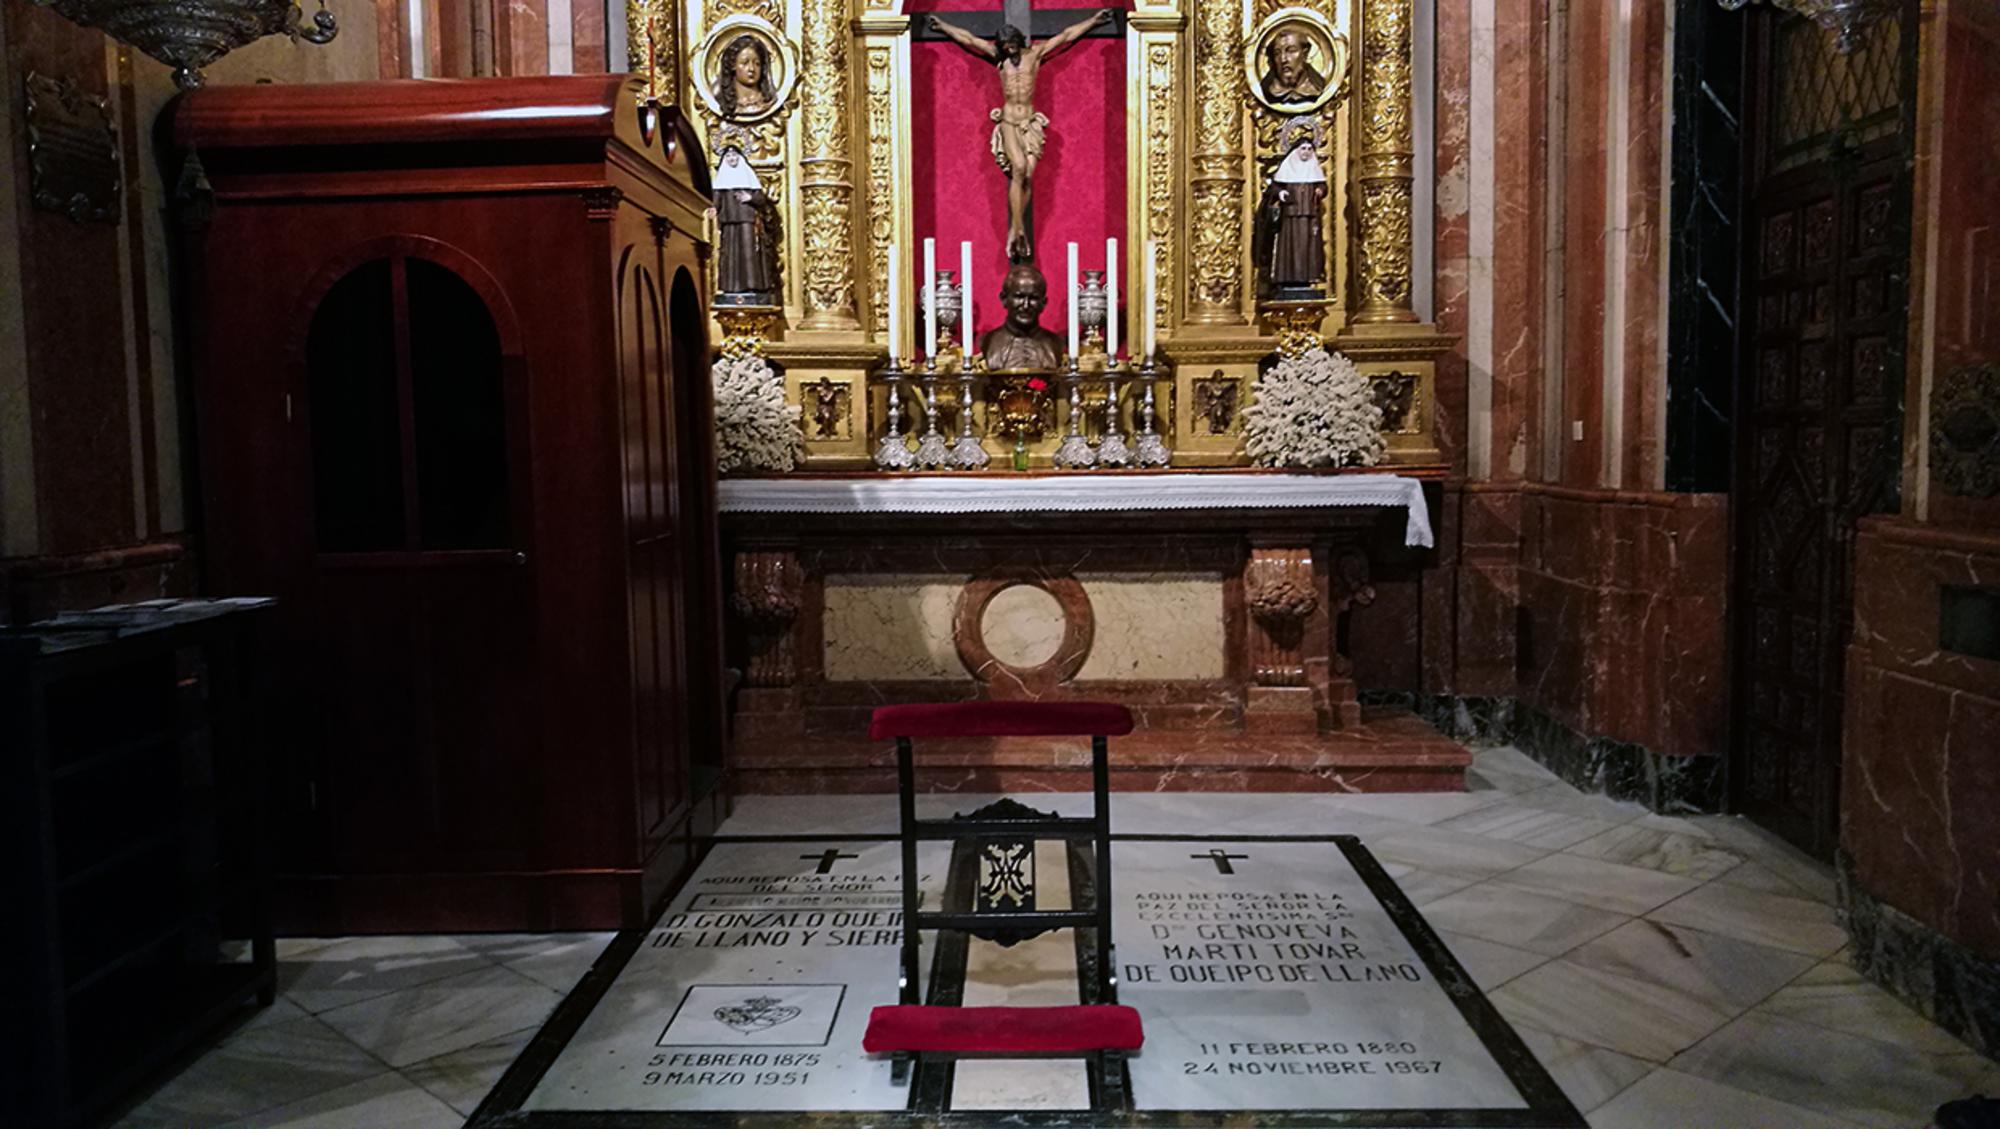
{"x": 1039, "y": 23}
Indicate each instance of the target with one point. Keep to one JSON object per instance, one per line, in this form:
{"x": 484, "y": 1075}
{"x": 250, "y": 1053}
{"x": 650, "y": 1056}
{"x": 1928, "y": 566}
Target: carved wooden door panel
{"x": 1819, "y": 404}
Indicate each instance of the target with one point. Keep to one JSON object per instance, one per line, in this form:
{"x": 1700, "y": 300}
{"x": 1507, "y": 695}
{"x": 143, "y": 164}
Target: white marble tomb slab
{"x": 1283, "y": 985}
{"x": 754, "y": 989}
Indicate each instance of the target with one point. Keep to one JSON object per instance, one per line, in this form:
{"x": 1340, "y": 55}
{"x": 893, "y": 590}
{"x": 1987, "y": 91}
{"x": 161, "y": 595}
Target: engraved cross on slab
{"x": 1221, "y": 859}
{"x": 826, "y": 859}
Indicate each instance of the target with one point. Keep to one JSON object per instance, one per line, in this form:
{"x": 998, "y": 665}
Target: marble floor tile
{"x": 1422, "y": 886}
{"x": 1836, "y": 996}
{"x": 558, "y": 960}
{"x": 1629, "y": 890}
{"x": 1657, "y": 848}
{"x": 1729, "y": 973}
{"x": 462, "y": 1078}
{"x": 814, "y": 815}
{"x": 1520, "y": 919}
{"x": 1668, "y": 1099}
{"x": 1637, "y": 1017}
{"x": 1529, "y": 826}
{"x": 1756, "y": 876}
{"x": 1810, "y": 875}
{"x": 383, "y": 1102}
{"x": 1563, "y": 798}
{"x": 318, "y": 977}
{"x": 1258, "y": 813}
{"x": 256, "y": 1071}
{"x": 1452, "y": 852}
{"x": 1489, "y": 963}
{"x": 1590, "y": 1075}
{"x": 1861, "y": 1080}
{"x": 1797, "y": 924}
{"x": 1507, "y": 760}
{"x": 420, "y": 1023}
{"x": 1414, "y": 807}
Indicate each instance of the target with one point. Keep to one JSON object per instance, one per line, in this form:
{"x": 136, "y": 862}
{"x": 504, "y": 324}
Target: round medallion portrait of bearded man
{"x": 1296, "y": 62}
{"x": 747, "y": 69}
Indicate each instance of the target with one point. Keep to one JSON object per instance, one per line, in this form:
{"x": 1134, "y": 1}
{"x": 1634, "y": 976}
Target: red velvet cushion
{"x": 1003, "y": 1030}
{"x": 1001, "y": 719}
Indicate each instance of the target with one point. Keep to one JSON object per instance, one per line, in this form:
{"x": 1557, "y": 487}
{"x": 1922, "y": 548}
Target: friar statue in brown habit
{"x": 746, "y": 269}
{"x": 1290, "y": 242}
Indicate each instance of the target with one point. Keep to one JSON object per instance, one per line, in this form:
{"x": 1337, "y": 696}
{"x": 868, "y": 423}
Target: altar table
{"x": 1213, "y": 604}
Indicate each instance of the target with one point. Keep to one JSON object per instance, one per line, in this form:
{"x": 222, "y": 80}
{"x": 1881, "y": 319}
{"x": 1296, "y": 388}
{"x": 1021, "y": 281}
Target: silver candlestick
{"x": 1151, "y": 449}
{"x": 968, "y": 453}
{"x": 893, "y": 453}
{"x": 1111, "y": 450}
{"x": 932, "y": 453}
{"x": 1075, "y": 452}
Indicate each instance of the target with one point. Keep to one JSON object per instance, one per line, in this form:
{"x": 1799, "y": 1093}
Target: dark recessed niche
{"x": 1969, "y": 620}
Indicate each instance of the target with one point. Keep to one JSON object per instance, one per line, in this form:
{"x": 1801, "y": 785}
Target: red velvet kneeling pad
{"x": 1003, "y": 1030}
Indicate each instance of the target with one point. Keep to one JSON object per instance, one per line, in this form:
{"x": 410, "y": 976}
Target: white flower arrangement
{"x": 754, "y": 428}
{"x": 1313, "y": 410}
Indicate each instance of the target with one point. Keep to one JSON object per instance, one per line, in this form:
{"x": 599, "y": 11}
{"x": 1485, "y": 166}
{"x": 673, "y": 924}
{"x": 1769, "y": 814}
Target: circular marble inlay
{"x": 1023, "y": 625}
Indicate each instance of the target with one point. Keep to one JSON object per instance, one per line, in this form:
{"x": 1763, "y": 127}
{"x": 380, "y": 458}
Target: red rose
{"x": 1037, "y": 384}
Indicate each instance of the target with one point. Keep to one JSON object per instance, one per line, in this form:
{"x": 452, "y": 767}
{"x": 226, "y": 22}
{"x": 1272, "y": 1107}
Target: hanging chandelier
{"x": 187, "y": 35}
{"x": 1844, "y": 18}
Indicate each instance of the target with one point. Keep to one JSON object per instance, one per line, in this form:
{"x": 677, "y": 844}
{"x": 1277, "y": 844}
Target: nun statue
{"x": 746, "y": 271}
{"x": 1290, "y": 242}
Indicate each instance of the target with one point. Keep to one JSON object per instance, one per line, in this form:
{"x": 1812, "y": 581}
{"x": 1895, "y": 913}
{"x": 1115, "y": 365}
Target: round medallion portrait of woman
{"x": 747, "y": 69}
{"x": 1296, "y": 63}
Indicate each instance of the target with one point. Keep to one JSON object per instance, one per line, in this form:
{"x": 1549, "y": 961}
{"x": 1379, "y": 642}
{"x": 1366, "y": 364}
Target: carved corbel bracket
{"x": 769, "y": 591}
{"x": 1280, "y": 592}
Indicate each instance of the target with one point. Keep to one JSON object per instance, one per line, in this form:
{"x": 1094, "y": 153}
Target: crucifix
{"x": 1019, "y": 131}
{"x": 1221, "y": 859}
{"x": 826, "y": 859}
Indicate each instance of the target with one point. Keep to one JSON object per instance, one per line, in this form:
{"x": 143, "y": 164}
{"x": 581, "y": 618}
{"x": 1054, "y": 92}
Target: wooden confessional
{"x": 450, "y": 372}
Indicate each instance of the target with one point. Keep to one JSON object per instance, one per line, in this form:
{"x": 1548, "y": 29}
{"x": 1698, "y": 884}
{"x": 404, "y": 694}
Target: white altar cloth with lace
{"x": 944, "y": 494}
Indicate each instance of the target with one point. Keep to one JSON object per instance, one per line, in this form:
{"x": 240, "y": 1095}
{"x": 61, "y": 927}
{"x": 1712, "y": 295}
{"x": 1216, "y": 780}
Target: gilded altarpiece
{"x": 1202, "y": 140}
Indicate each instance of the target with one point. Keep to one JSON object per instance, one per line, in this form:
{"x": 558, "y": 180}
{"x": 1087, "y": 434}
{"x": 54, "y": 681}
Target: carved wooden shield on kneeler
{"x": 1006, "y": 872}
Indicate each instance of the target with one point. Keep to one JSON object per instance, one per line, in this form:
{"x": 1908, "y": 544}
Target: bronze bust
{"x": 1020, "y": 342}
{"x": 1289, "y": 75}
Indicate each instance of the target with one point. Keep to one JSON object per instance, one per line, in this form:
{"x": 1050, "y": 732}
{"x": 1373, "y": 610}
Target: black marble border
{"x": 1944, "y": 981}
{"x": 1548, "y": 1107}
{"x": 1668, "y": 785}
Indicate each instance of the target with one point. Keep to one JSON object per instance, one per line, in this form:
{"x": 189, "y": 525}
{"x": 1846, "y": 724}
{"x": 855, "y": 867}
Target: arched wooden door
{"x": 423, "y": 617}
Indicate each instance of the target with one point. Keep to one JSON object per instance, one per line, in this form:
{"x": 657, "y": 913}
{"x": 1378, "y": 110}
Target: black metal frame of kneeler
{"x": 1020, "y": 924}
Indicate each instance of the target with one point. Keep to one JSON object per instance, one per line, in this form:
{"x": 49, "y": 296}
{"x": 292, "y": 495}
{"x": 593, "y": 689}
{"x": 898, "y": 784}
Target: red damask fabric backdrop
{"x": 960, "y": 193}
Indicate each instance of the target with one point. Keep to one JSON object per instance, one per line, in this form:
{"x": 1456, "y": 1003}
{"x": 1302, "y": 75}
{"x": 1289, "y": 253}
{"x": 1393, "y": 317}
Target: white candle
{"x": 965, "y": 322}
{"x": 1073, "y": 350}
{"x": 895, "y": 308}
{"x": 1111, "y": 298}
{"x": 1152, "y": 299}
{"x": 930, "y": 298}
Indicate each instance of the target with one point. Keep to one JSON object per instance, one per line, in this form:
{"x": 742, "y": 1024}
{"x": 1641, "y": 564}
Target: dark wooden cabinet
{"x": 450, "y": 366}
{"x": 132, "y": 849}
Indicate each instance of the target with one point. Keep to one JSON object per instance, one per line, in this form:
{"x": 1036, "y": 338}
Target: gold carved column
{"x": 1215, "y": 219}
{"x": 1382, "y": 165}
{"x": 1152, "y": 70}
{"x": 885, "y": 50}
{"x": 826, "y": 190}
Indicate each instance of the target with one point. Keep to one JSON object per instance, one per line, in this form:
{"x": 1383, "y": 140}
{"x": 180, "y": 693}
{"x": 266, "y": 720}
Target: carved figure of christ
{"x": 1019, "y": 132}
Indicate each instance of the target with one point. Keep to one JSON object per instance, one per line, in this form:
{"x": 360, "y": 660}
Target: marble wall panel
{"x": 1921, "y": 743}
{"x": 1155, "y": 628}
{"x": 891, "y": 627}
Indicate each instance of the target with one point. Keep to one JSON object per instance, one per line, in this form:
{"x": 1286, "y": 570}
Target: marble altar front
{"x": 1214, "y": 605}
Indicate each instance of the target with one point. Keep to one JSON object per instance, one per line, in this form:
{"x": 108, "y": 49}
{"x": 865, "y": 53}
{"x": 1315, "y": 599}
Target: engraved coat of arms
{"x": 758, "y": 1013}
